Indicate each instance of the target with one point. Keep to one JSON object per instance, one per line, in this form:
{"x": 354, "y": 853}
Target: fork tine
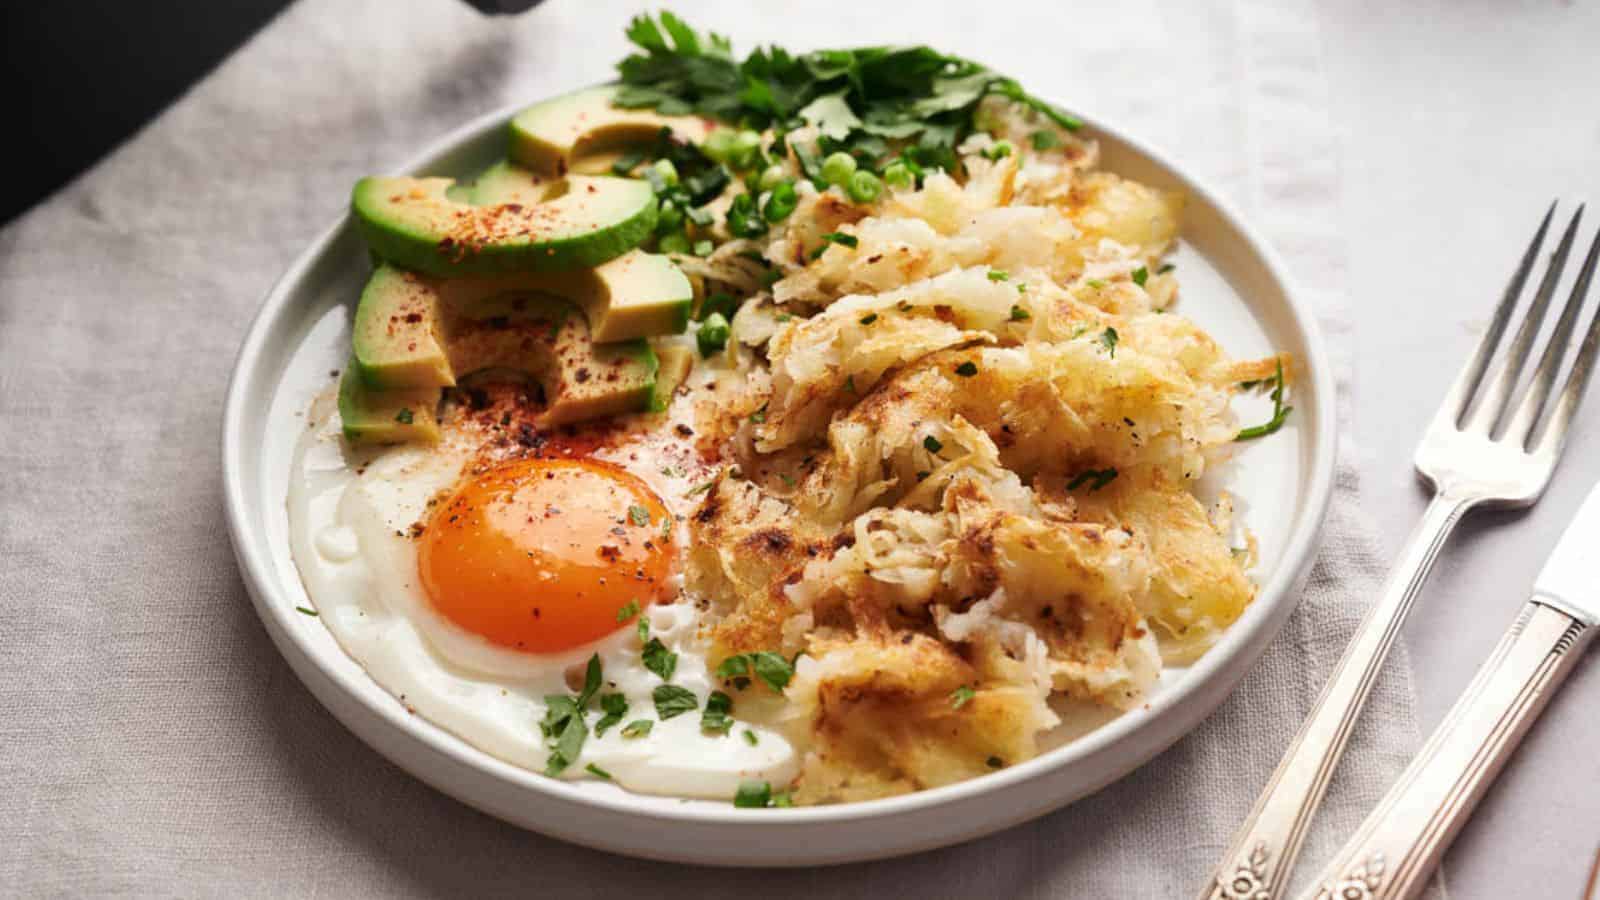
{"x": 1496, "y": 397}
{"x": 1528, "y": 410}
{"x": 1554, "y": 435}
{"x": 1467, "y": 382}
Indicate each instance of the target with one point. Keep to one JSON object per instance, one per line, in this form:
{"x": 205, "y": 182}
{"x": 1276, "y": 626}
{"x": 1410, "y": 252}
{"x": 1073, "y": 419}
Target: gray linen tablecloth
{"x": 152, "y": 741}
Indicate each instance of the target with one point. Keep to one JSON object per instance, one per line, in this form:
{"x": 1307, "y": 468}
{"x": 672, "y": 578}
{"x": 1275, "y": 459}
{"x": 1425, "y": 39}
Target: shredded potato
{"x": 966, "y": 441}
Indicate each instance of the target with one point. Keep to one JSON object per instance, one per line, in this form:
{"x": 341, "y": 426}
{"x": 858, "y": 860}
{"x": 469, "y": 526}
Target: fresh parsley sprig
{"x": 859, "y": 98}
{"x": 1280, "y": 410}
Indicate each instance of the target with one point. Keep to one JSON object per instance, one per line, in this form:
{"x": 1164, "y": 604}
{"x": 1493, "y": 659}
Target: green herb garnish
{"x": 638, "y": 728}
{"x": 932, "y": 444}
{"x": 658, "y": 659}
{"x": 999, "y": 275}
{"x": 770, "y": 667}
{"x": 715, "y": 718}
{"x": 404, "y": 416}
{"x": 615, "y": 706}
{"x": 1044, "y": 139}
{"x": 1140, "y": 275}
{"x": 835, "y": 237}
{"x": 306, "y": 611}
{"x": 1018, "y": 314}
{"x": 1095, "y": 478}
{"x": 753, "y": 795}
{"x": 1280, "y": 412}
{"x": 638, "y": 515}
{"x": 1109, "y": 339}
{"x": 597, "y": 772}
{"x": 672, "y": 700}
{"x": 961, "y": 696}
{"x": 967, "y": 369}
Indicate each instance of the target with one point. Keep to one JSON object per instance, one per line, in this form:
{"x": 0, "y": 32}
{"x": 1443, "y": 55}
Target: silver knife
{"x": 1398, "y": 846}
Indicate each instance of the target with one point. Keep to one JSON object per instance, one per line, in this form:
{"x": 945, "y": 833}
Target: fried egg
{"x": 475, "y": 579}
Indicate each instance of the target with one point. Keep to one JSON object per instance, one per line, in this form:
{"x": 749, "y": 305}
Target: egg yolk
{"x": 543, "y": 555}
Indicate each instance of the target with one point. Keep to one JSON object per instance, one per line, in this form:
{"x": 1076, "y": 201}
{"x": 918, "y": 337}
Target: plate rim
{"x": 1216, "y": 674}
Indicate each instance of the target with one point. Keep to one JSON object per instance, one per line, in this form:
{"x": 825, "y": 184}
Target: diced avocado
{"x": 386, "y": 417}
{"x": 506, "y": 182}
{"x": 548, "y": 340}
{"x": 415, "y": 334}
{"x": 548, "y": 137}
{"x": 583, "y": 221}
{"x": 675, "y": 361}
{"x": 398, "y": 332}
{"x": 400, "y": 322}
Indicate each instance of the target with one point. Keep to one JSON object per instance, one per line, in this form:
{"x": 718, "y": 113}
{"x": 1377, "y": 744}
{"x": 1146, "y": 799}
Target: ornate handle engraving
{"x": 1264, "y": 850}
{"x": 1393, "y": 852}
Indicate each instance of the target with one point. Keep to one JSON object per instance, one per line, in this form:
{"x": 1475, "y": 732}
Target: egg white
{"x": 349, "y": 518}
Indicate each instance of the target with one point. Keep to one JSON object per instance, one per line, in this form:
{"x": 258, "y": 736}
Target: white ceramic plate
{"x": 1232, "y": 284}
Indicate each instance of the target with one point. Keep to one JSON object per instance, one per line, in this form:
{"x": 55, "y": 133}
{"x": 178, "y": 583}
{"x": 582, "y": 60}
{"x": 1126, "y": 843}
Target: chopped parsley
{"x": 597, "y": 772}
{"x": 835, "y": 237}
{"x": 932, "y": 445}
{"x": 716, "y": 718}
{"x": 753, "y": 795}
{"x": 850, "y": 383}
{"x": 564, "y": 729}
{"x": 760, "y": 415}
{"x": 967, "y": 369}
{"x": 672, "y": 700}
{"x": 869, "y": 318}
{"x": 1280, "y": 411}
{"x": 961, "y": 696}
{"x": 701, "y": 488}
{"x": 1018, "y": 314}
{"x": 1094, "y": 478}
{"x": 658, "y": 659}
{"x": 995, "y": 762}
{"x": 615, "y": 706}
{"x": 1109, "y": 339}
{"x": 638, "y": 515}
{"x": 638, "y": 728}
{"x": 1165, "y": 268}
{"x": 1140, "y": 276}
{"x": 1096, "y": 283}
{"x": 1044, "y": 139}
{"x": 750, "y": 737}
{"x": 306, "y": 611}
{"x": 404, "y": 416}
{"x": 628, "y": 611}
{"x": 770, "y": 667}
{"x": 999, "y": 275}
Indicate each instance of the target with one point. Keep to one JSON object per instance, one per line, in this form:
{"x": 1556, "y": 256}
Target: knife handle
{"x": 1393, "y": 852}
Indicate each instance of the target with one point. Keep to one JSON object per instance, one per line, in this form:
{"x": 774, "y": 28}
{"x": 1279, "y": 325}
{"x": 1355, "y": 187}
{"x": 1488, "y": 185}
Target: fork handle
{"x": 1400, "y": 843}
{"x": 1258, "y": 864}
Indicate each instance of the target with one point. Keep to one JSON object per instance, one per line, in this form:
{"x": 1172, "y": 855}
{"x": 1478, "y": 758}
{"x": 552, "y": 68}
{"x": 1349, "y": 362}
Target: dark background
{"x": 92, "y": 72}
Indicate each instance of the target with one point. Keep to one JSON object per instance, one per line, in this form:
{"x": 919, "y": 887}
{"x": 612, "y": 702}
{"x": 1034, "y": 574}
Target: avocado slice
{"x": 549, "y": 137}
{"x": 415, "y": 334}
{"x": 506, "y": 182}
{"x": 548, "y": 339}
{"x": 581, "y": 221}
{"x": 674, "y": 362}
{"x": 386, "y": 417}
{"x": 400, "y": 325}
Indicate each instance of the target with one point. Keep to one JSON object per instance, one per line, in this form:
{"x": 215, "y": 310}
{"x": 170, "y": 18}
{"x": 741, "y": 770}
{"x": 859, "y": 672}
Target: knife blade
{"x": 1568, "y": 580}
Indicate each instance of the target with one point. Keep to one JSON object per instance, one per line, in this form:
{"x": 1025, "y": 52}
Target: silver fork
{"x": 1480, "y": 450}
